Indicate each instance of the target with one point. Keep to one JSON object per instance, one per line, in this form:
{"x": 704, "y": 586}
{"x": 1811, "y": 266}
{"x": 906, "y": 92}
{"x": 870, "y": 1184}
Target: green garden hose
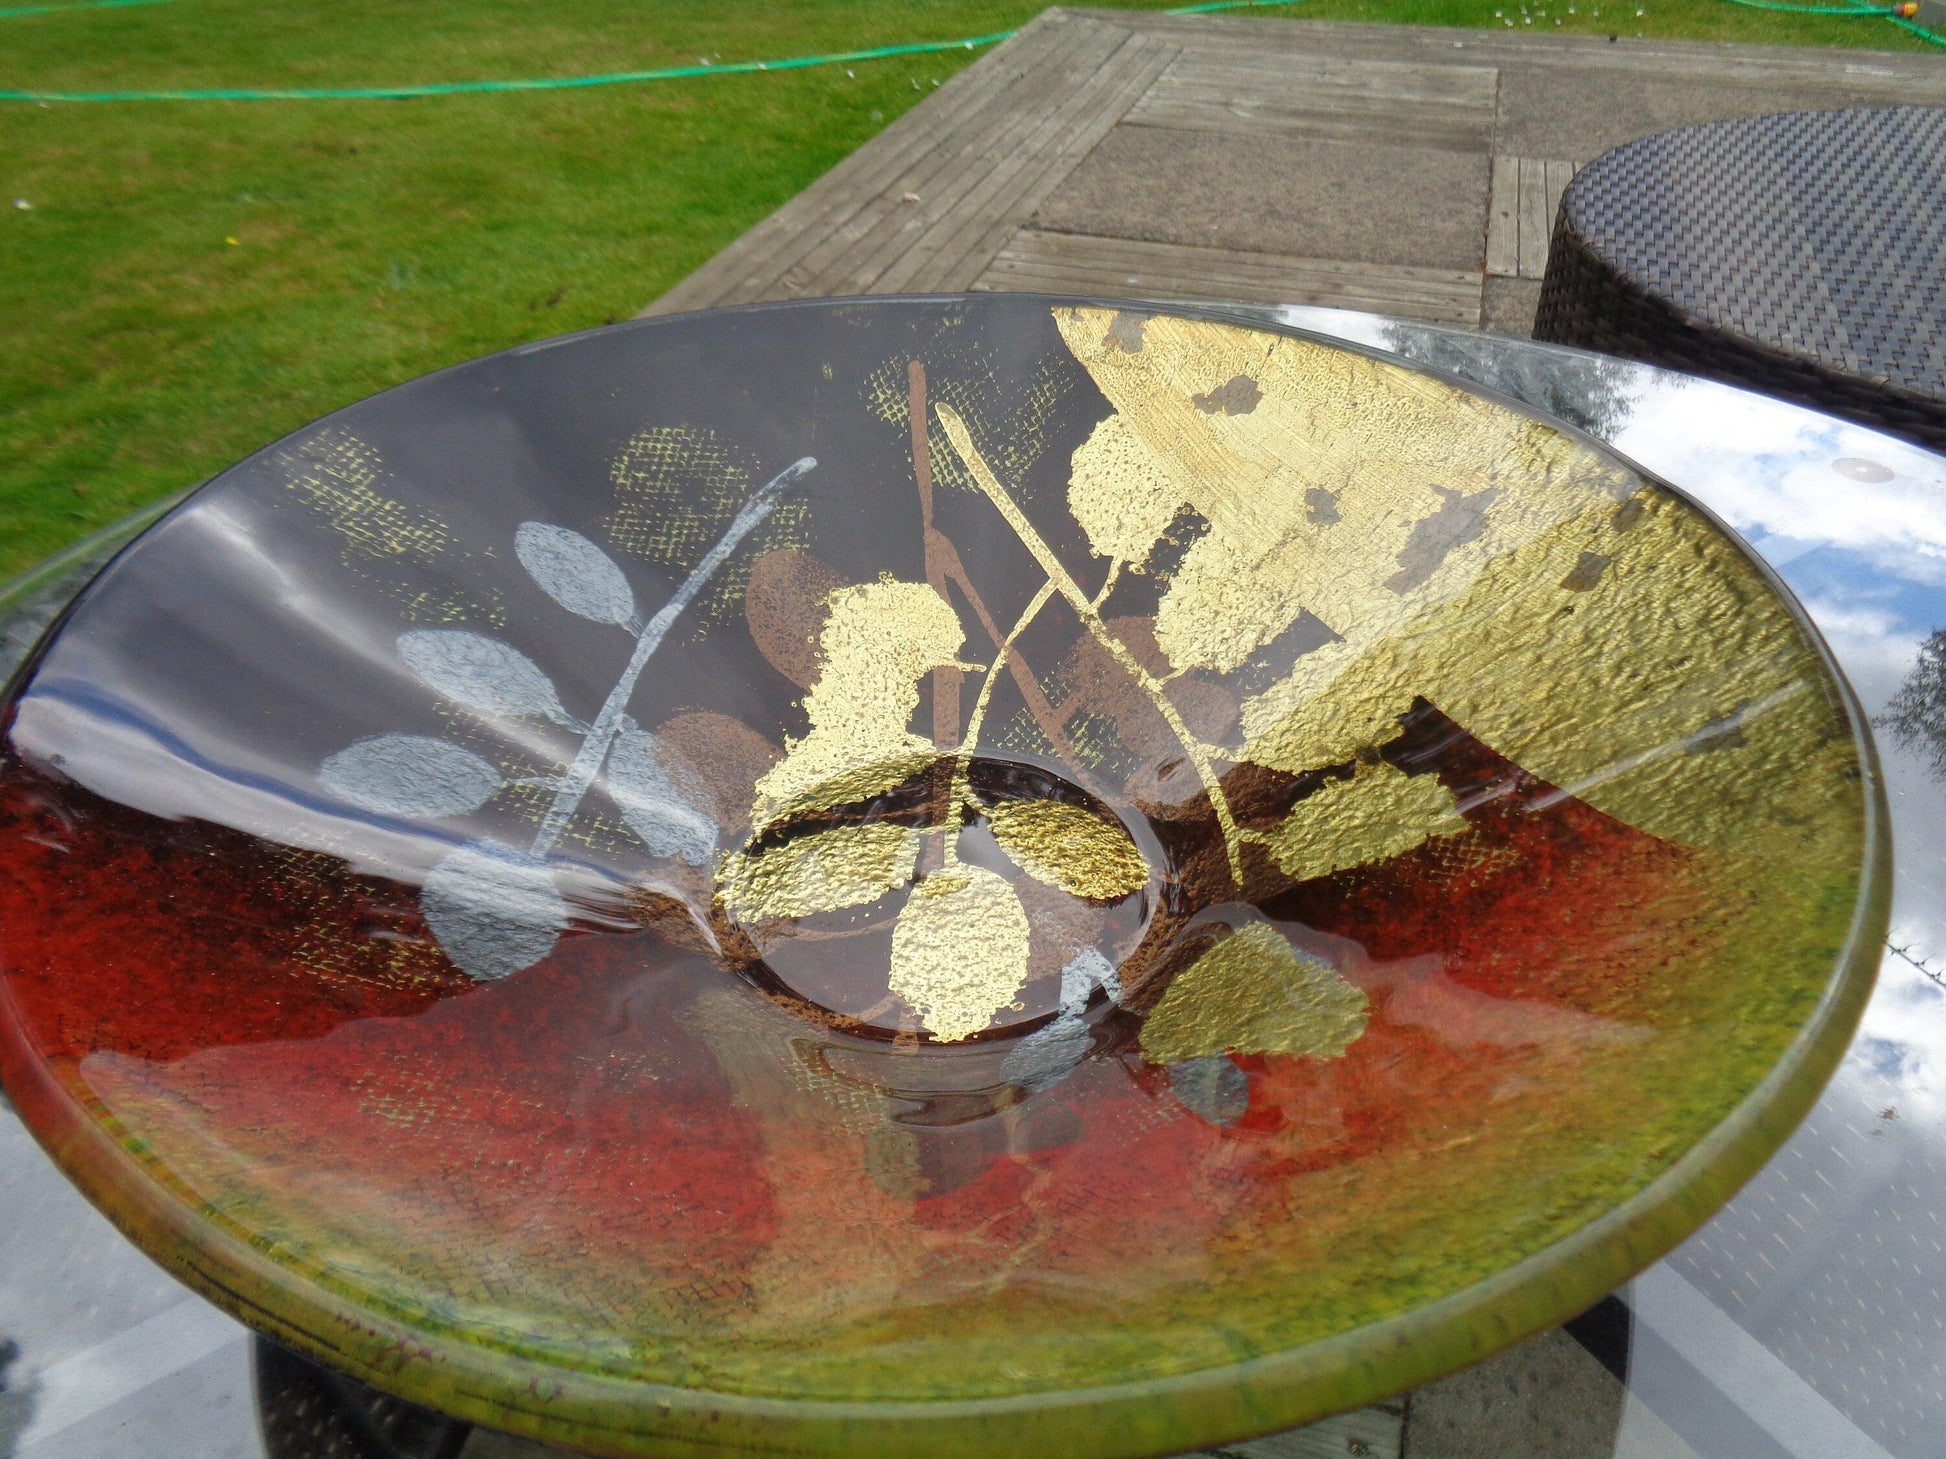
{"x": 675, "y": 73}
{"x": 1899, "y": 15}
{"x": 549, "y": 83}
{"x": 8, "y": 10}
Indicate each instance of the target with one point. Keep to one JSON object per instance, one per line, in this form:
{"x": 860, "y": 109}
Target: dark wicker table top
{"x": 1803, "y": 253}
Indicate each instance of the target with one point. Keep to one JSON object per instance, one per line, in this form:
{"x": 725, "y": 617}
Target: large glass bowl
{"x": 937, "y": 876}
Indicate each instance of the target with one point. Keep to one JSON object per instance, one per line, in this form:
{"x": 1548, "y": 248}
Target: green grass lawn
{"x": 193, "y": 279}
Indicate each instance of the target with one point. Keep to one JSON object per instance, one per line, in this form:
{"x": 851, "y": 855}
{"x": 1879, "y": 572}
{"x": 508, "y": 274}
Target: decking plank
{"x": 1525, "y": 197}
{"x": 1559, "y": 174}
{"x": 1454, "y": 84}
{"x": 1443, "y": 106}
{"x": 1503, "y": 219}
{"x": 1455, "y": 81}
{"x": 1533, "y": 217}
{"x": 1448, "y": 79}
{"x": 971, "y": 108}
{"x": 957, "y": 244}
{"x": 1041, "y": 262}
{"x": 850, "y": 257}
{"x": 1894, "y": 73}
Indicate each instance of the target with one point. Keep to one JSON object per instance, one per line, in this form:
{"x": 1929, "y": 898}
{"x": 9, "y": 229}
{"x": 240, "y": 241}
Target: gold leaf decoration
{"x": 1468, "y": 555}
{"x": 338, "y": 475}
{"x": 1061, "y": 581}
{"x": 1251, "y": 994}
{"x": 1070, "y": 848}
{"x": 845, "y": 866}
{"x": 1349, "y": 487}
{"x": 1379, "y": 813}
{"x": 676, "y": 489}
{"x": 1122, "y": 500}
{"x": 410, "y": 553}
{"x": 959, "y": 951}
{"x": 878, "y": 640}
{"x": 1712, "y": 695}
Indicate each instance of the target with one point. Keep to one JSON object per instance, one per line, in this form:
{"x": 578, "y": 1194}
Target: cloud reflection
{"x": 1770, "y": 468}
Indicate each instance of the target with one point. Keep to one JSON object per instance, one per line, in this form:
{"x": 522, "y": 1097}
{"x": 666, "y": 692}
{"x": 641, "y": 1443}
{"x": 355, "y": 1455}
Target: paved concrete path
{"x": 1412, "y": 171}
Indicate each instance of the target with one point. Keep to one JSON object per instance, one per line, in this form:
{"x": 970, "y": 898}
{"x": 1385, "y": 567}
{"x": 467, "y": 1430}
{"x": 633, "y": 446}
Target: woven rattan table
{"x": 1803, "y": 254}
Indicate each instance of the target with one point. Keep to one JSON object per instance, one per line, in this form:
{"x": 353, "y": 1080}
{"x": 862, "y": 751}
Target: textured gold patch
{"x": 676, "y": 489}
{"x": 408, "y": 552}
{"x": 878, "y": 640}
{"x": 1667, "y": 693}
{"x": 1379, "y": 813}
{"x": 1122, "y": 500}
{"x": 1021, "y": 416}
{"x": 959, "y": 951}
{"x": 1070, "y": 848}
{"x": 1250, "y": 994}
{"x": 1349, "y": 487}
{"x": 1467, "y": 555}
{"x": 845, "y": 866}
{"x": 338, "y": 474}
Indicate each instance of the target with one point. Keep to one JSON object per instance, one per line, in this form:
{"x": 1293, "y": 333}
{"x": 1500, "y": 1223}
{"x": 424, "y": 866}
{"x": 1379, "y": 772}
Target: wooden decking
{"x": 1410, "y": 171}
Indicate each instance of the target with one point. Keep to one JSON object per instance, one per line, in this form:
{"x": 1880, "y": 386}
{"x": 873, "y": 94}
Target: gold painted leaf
{"x": 1251, "y": 994}
{"x": 1586, "y": 626}
{"x": 1333, "y": 483}
{"x": 337, "y": 475}
{"x": 878, "y": 640}
{"x": 677, "y": 487}
{"x": 845, "y": 866}
{"x": 1379, "y": 813}
{"x": 1070, "y": 848}
{"x": 1120, "y": 496}
{"x": 959, "y": 951}
{"x": 409, "y": 553}
{"x": 1660, "y": 693}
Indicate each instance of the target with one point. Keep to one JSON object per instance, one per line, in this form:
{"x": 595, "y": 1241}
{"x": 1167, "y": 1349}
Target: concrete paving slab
{"x": 1543, "y": 115}
{"x": 1299, "y": 196}
{"x": 1544, "y": 1399}
{"x": 1507, "y": 306}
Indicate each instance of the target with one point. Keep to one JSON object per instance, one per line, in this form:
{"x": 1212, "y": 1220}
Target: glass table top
{"x": 1854, "y": 523}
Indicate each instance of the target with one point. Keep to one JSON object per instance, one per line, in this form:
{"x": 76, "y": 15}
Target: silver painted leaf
{"x": 575, "y": 573}
{"x": 482, "y": 673}
{"x": 495, "y": 910}
{"x": 410, "y": 775}
{"x": 1211, "y": 1088}
{"x": 658, "y": 804}
{"x": 1048, "y": 1054}
{"x": 1085, "y": 972}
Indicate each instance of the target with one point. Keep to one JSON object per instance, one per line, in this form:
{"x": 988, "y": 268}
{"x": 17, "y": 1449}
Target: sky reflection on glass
{"x": 1854, "y": 522}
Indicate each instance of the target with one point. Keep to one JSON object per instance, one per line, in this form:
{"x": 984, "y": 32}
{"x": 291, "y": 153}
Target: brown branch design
{"x": 1085, "y": 609}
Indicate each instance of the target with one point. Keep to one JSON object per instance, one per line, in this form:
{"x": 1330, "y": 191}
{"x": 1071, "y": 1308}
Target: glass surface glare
{"x": 1009, "y": 858}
